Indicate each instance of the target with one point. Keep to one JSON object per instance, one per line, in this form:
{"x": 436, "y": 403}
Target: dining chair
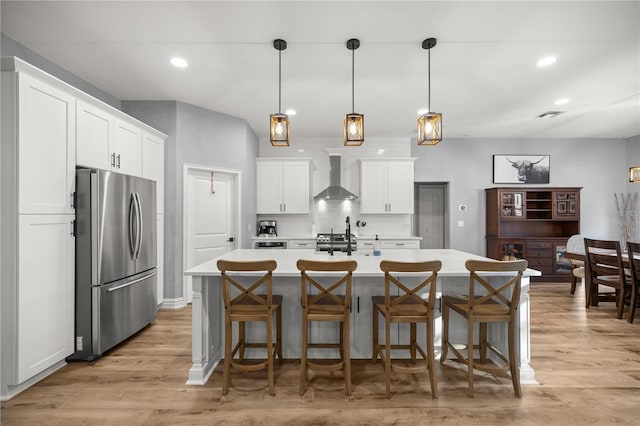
{"x": 414, "y": 305}
{"x": 575, "y": 245}
{"x": 490, "y": 300}
{"x": 326, "y": 298}
{"x": 633, "y": 251}
{"x": 251, "y": 301}
{"x": 604, "y": 267}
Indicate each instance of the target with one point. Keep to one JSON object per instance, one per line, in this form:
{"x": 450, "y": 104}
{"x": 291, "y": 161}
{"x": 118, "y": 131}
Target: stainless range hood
{"x": 335, "y": 191}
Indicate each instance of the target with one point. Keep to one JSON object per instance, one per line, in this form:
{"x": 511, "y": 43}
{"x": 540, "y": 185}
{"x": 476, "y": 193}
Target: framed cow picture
{"x": 522, "y": 169}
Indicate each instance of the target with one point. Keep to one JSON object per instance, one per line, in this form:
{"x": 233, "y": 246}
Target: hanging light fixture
{"x": 279, "y": 121}
{"x": 353, "y": 123}
{"x": 430, "y": 123}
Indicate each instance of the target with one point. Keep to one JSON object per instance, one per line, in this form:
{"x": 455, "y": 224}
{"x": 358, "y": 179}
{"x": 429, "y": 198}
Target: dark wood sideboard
{"x": 533, "y": 224}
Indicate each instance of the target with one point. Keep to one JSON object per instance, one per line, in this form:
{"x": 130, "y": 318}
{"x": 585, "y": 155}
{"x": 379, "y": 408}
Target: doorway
{"x": 431, "y": 214}
{"x": 211, "y": 217}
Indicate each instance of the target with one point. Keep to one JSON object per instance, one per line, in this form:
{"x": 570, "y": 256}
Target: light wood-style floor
{"x": 587, "y": 365}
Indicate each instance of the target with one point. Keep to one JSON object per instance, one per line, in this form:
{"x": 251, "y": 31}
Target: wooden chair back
{"x": 251, "y": 297}
{"x": 409, "y": 298}
{"x": 603, "y": 259}
{"x": 633, "y": 250}
{"x": 327, "y": 298}
{"x": 492, "y": 297}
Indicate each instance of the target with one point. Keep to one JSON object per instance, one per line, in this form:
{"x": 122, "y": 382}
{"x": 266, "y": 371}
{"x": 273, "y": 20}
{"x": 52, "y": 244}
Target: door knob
{"x": 230, "y": 239}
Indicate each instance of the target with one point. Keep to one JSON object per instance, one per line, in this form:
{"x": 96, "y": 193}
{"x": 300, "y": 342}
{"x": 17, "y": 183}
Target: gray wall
{"x": 197, "y": 136}
{"x": 10, "y": 47}
{"x": 597, "y": 165}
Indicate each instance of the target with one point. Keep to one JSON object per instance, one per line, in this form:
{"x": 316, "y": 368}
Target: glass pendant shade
{"x": 429, "y": 128}
{"x": 279, "y": 129}
{"x": 353, "y": 129}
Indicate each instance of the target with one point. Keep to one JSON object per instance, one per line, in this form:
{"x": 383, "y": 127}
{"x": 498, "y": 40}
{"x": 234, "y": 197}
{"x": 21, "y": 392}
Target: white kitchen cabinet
{"x": 45, "y": 298}
{"x": 127, "y": 152}
{"x": 386, "y": 186}
{"x": 302, "y": 244}
{"x": 282, "y": 186}
{"x": 160, "y": 245}
{"x": 153, "y": 165}
{"x": 108, "y": 142}
{"x": 95, "y": 136}
{"x": 46, "y": 148}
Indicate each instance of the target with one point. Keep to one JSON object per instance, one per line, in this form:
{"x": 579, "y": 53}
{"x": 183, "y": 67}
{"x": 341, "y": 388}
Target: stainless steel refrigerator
{"x": 116, "y": 259}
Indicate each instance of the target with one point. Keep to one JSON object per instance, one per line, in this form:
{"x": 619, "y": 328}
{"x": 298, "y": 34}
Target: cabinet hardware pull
{"x": 358, "y": 303}
{"x": 118, "y": 161}
{"x": 73, "y": 200}
{"x": 73, "y": 228}
{"x": 113, "y": 159}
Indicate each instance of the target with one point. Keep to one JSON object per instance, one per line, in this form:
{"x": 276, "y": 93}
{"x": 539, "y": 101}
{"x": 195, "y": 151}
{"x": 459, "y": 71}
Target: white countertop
{"x": 389, "y": 237}
{"x": 368, "y": 265}
{"x": 359, "y": 237}
{"x": 285, "y": 237}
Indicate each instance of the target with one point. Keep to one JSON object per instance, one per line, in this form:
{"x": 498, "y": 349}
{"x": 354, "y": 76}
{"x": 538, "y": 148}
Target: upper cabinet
{"x": 282, "y": 186}
{"x": 386, "y": 186}
{"x": 45, "y": 142}
{"x": 153, "y": 165}
{"x": 107, "y": 142}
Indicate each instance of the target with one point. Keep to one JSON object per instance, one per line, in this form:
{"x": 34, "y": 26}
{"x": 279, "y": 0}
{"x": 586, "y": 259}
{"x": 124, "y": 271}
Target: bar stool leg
{"x": 303, "y": 357}
{"x": 374, "y": 331}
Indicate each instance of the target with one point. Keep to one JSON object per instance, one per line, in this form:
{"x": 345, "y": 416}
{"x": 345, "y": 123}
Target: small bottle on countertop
{"x": 376, "y": 246}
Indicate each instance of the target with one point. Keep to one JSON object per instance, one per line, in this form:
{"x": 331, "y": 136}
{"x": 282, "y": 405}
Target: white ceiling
{"x": 484, "y": 78}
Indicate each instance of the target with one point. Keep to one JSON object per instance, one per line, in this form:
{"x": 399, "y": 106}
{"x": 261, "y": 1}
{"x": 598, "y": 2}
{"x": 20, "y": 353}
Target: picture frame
{"x": 521, "y": 169}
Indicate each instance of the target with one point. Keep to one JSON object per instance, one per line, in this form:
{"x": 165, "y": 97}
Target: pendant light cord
{"x": 279, "y": 81}
{"x": 353, "y": 105}
{"x": 429, "y": 80}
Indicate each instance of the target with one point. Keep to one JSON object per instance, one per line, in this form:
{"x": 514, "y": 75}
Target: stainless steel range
{"x": 335, "y": 242}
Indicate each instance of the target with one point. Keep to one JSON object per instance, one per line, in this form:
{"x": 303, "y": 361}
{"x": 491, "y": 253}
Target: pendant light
{"x": 279, "y": 121}
{"x": 430, "y": 123}
{"x": 353, "y": 123}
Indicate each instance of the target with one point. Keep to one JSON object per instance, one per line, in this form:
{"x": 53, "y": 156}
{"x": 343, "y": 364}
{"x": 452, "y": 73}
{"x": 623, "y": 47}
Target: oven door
{"x": 270, "y": 245}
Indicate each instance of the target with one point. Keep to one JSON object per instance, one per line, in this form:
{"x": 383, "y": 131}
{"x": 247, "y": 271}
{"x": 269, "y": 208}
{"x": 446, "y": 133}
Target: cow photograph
{"x": 523, "y": 169}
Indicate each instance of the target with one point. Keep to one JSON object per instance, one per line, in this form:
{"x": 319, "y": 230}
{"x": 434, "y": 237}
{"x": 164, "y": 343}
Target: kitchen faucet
{"x": 348, "y": 236}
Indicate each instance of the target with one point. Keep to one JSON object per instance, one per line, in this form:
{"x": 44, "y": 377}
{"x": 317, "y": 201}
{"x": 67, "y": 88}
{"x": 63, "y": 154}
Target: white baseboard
{"x": 177, "y": 303}
{"x": 13, "y": 390}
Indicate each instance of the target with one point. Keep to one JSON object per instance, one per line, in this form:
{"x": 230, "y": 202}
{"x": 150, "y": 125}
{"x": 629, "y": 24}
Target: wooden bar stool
{"x": 244, "y": 304}
{"x": 488, "y": 305}
{"x": 325, "y": 304}
{"x": 411, "y": 307}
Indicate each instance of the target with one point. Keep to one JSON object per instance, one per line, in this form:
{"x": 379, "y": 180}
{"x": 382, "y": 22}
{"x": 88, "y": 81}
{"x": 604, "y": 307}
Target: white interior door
{"x": 211, "y": 218}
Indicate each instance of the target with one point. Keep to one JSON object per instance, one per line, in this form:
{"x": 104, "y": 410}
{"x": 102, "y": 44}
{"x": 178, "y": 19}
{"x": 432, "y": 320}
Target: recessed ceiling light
{"x": 545, "y": 62}
{"x": 179, "y": 62}
{"x": 562, "y": 101}
{"x": 301, "y": 150}
{"x": 422, "y": 111}
{"x": 290, "y": 112}
{"x": 380, "y": 151}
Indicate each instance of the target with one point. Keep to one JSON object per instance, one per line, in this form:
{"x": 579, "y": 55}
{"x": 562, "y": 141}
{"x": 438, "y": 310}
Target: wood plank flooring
{"x": 587, "y": 364}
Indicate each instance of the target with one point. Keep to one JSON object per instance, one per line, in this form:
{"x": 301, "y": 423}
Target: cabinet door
{"x": 512, "y": 205}
{"x": 160, "y": 245}
{"x": 295, "y": 187}
{"x": 373, "y": 187}
{"x": 128, "y": 148}
{"x": 400, "y": 187}
{"x": 46, "y": 146}
{"x": 269, "y": 187}
{"x": 45, "y": 292}
{"x": 94, "y": 144}
{"x": 153, "y": 165}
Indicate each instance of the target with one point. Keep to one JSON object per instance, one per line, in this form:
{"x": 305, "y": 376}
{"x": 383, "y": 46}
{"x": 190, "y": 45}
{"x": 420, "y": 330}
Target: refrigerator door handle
{"x": 132, "y": 213}
{"x": 140, "y": 224}
{"x": 132, "y": 282}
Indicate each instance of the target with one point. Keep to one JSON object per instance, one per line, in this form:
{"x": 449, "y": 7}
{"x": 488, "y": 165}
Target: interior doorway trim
{"x": 185, "y": 210}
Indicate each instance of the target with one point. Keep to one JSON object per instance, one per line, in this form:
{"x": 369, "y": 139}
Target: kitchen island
{"x": 453, "y": 279}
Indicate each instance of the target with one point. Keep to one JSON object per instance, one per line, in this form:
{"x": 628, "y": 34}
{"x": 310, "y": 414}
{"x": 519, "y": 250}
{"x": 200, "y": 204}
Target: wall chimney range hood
{"x": 335, "y": 191}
